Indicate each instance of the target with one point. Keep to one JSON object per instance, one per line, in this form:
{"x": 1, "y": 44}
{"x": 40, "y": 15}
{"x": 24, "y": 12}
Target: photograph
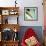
{"x": 30, "y": 13}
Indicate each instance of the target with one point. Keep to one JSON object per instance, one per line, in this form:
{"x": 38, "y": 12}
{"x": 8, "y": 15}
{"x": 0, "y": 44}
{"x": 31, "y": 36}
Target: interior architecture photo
{"x": 22, "y": 22}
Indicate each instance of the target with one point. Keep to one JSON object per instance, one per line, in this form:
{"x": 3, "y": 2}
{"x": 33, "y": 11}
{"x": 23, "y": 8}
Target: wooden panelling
{"x": 5, "y": 8}
{"x": 11, "y": 26}
{"x": 10, "y": 43}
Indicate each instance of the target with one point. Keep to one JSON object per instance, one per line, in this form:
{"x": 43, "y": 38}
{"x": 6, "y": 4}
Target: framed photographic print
{"x": 5, "y": 12}
{"x": 30, "y": 13}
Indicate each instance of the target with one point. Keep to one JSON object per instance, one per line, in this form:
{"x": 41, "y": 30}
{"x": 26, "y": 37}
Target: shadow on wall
{"x": 37, "y": 29}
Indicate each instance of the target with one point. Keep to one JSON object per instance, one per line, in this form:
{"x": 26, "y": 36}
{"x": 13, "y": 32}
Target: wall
{"x": 26, "y": 3}
{"x": 6, "y": 3}
{"x": 32, "y": 3}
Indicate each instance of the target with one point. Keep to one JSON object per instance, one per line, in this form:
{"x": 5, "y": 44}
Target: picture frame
{"x": 30, "y": 13}
{"x": 5, "y": 12}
